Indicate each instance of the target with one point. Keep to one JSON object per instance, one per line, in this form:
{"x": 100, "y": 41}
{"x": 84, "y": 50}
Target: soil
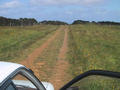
{"x": 62, "y": 65}
{"x": 28, "y": 62}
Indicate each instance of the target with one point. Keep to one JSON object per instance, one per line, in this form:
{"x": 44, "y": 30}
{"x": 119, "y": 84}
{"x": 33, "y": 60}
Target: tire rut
{"x": 60, "y": 70}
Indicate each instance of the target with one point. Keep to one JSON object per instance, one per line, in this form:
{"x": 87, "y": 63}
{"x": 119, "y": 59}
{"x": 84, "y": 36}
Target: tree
{"x": 80, "y": 22}
{"x": 17, "y": 22}
{"x": 53, "y": 22}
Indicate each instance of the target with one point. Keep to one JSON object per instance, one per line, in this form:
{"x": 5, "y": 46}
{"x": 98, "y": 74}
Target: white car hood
{"x": 48, "y": 86}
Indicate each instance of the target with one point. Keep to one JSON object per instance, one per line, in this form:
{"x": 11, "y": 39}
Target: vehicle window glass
{"x": 22, "y": 83}
{"x": 10, "y": 87}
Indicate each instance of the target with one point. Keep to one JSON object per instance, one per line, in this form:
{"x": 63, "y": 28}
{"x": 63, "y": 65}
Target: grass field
{"x": 89, "y": 47}
{"x": 15, "y": 40}
{"x": 94, "y": 47}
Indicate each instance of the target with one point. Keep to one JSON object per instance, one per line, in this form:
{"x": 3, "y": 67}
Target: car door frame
{"x": 90, "y": 73}
{"x": 26, "y": 73}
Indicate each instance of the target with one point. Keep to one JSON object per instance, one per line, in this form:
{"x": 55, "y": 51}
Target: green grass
{"x": 90, "y": 47}
{"x": 98, "y": 83}
{"x": 94, "y": 47}
{"x": 15, "y": 40}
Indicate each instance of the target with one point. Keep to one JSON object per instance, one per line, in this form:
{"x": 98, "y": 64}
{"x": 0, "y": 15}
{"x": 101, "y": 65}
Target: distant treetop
{"x": 17, "y": 22}
{"x": 100, "y": 22}
{"x": 31, "y": 21}
{"x": 53, "y": 22}
{"x": 80, "y": 22}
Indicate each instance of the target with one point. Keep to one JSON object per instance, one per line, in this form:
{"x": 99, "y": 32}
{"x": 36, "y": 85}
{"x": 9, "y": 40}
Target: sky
{"x": 63, "y": 10}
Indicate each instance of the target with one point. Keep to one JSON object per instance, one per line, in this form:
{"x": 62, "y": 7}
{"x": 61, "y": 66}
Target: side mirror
{"x": 96, "y": 78}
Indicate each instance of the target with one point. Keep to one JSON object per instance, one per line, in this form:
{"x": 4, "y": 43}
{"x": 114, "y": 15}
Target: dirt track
{"x": 61, "y": 66}
{"x": 28, "y": 62}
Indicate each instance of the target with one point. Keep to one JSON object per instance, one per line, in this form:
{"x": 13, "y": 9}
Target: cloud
{"x": 92, "y": 1}
{"x": 12, "y": 4}
{"x": 65, "y": 2}
{"x": 3, "y": 12}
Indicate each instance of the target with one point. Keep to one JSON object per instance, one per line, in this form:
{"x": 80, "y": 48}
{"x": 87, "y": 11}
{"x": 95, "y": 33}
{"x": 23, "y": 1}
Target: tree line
{"x": 100, "y": 22}
{"x": 17, "y": 22}
{"x": 31, "y": 21}
{"x": 54, "y": 22}
{"x": 26, "y": 22}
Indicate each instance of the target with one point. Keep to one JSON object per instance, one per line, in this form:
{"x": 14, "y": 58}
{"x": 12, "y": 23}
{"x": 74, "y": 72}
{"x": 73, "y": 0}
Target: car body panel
{"x": 7, "y": 68}
{"x": 47, "y": 85}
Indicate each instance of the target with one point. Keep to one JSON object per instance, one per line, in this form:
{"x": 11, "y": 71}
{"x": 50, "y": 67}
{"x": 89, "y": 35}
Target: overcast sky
{"x": 64, "y": 10}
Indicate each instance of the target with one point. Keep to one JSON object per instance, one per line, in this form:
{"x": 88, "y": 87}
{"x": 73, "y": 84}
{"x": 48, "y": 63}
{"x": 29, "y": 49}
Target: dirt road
{"x": 28, "y": 62}
{"x": 62, "y": 65}
{"x": 53, "y": 66}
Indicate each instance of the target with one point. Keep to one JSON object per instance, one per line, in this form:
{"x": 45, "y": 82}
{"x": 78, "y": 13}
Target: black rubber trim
{"x": 89, "y": 73}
